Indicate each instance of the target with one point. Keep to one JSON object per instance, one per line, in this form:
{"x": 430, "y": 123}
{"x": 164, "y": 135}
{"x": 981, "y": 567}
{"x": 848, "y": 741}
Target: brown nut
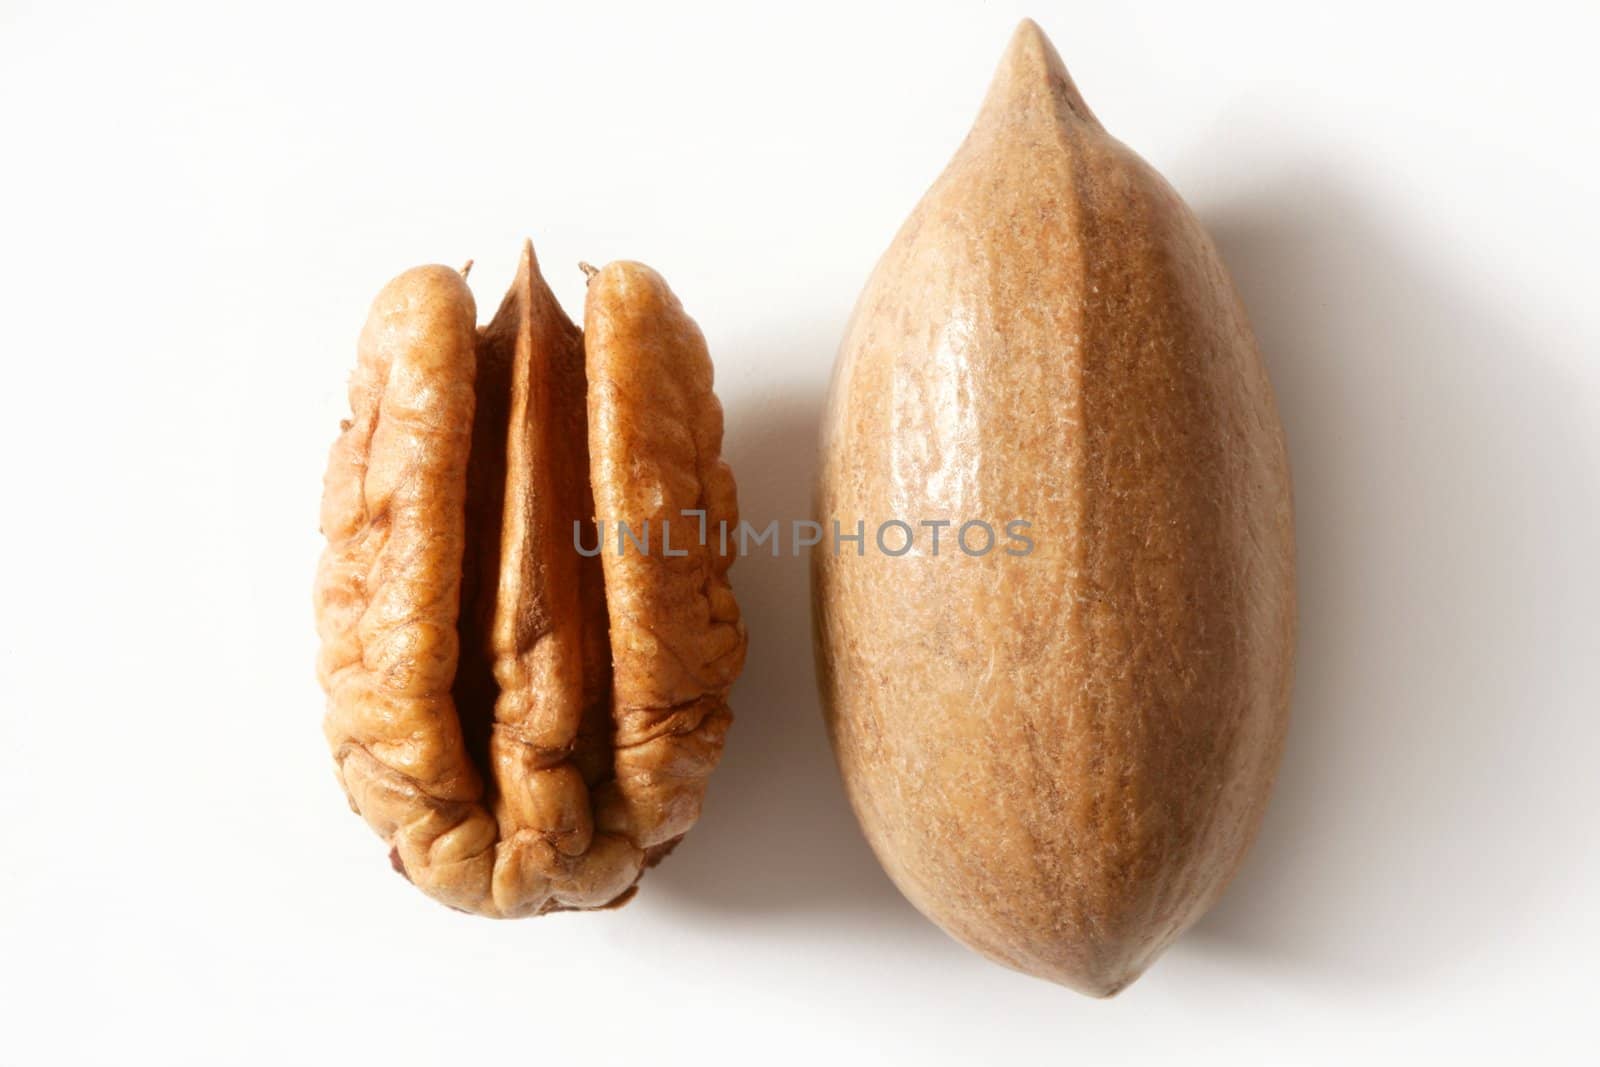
{"x": 1060, "y": 753}
{"x": 528, "y": 725}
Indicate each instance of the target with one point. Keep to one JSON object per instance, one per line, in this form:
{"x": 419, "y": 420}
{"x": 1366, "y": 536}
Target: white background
{"x": 197, "y": 205}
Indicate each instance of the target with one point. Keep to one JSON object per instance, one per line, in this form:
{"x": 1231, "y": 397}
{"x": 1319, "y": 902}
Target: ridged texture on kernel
{"x": 655, "y": 433}
{"x": 467, "y": 646}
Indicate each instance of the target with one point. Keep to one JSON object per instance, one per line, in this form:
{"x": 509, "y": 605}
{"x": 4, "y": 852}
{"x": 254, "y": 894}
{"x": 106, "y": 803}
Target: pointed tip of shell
{"x": 1031, "y": 55}
{"x": 1105, "y": 987}
{"x": 1101, "y": 980}
{"x": 1029, "y": 38}
{"x": 1030, "y": 75}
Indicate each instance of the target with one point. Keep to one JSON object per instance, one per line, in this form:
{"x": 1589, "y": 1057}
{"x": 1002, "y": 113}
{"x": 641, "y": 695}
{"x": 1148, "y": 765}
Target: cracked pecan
{"x": 529, "y": 727}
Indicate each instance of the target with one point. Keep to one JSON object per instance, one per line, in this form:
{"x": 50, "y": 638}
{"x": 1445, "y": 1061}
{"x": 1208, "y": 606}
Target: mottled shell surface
{"x": 1061, "y": 748}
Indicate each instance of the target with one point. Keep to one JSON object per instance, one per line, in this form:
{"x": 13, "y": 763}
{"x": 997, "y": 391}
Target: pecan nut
{"x": 527, "y": 723}
{"x": 1093, "y": 728}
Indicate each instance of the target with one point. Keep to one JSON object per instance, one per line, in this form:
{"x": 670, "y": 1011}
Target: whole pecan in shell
{"x": 527, "y": 725}
{"x": 1060, "y": 749}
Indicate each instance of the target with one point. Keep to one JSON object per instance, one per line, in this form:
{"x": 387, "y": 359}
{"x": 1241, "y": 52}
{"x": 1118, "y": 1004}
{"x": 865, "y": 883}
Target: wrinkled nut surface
{"x": 527, "y": 726}
{"x": 1060, "y": 756}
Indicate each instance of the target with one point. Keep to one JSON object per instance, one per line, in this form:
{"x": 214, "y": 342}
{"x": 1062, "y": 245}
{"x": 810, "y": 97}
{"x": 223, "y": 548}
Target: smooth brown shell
{"x": 527, "y": 726}
{"x": 1060, "y": 755}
